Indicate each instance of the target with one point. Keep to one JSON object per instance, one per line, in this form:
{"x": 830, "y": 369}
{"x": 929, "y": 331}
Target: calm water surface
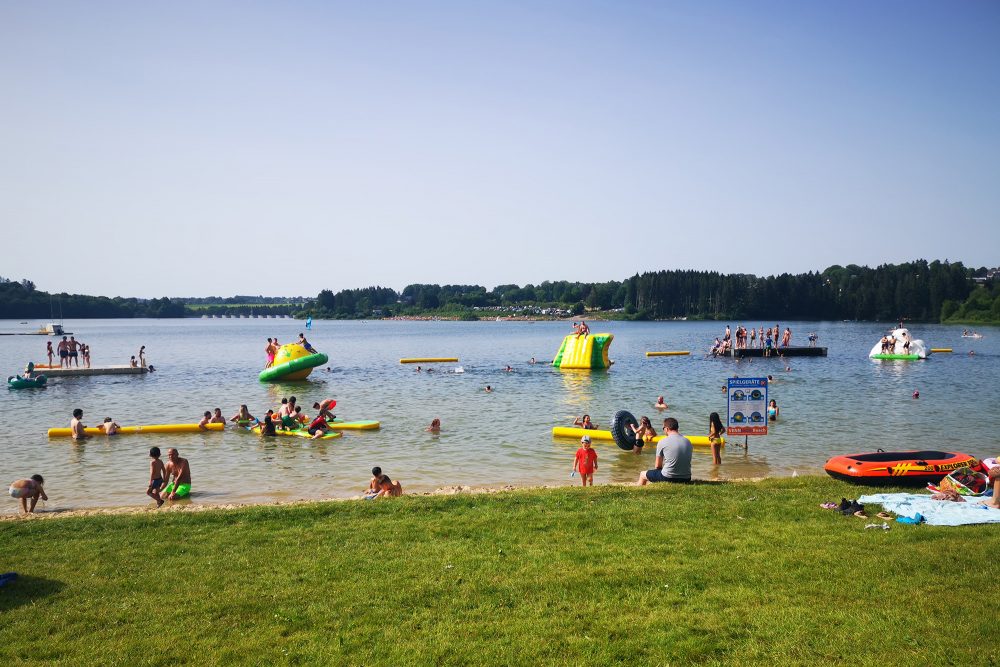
{"x": 838, "y": 404}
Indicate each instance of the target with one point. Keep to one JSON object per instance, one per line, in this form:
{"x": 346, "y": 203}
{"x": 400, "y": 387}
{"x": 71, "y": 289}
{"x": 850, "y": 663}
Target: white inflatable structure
{"x": 901, "y": 336}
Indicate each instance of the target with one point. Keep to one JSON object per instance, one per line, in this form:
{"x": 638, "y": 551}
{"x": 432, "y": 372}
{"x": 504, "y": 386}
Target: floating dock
{"x": 93, "y": 370}
{"x": 778, "y": 351}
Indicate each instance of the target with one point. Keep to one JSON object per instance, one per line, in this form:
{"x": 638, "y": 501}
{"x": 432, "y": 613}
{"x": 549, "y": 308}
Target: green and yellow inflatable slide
{"x": 590, "y": 351}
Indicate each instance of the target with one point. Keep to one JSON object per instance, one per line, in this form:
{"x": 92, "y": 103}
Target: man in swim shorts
{"x": 74, "y": 354}
{"x": 673, "y": 457}
{"x": 304, "y": 343}
{"x": 179, "y": 469}
{"x": 63, "y": 352}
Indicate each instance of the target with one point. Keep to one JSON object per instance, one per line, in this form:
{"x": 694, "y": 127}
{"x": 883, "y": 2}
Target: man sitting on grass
{"x": 673, "y": 457}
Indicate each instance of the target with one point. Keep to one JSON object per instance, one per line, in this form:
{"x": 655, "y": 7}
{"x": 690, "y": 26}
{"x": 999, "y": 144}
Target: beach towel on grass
{"x": 935, "y": 512}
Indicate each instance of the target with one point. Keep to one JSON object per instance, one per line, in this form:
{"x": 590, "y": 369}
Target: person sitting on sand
{"x": 325, "y": 407}
{"x": 387, "y": 487}
{"x": 584, "y": 422}
{"x": 660, "y": 404}
{"x": 373, "y": 487}
{"x": 243, "y": 417}
{"x": 110, "y": 426}
{"x": 435, "y": 426}
{"x": 217, "y": 418}
{"x": 23, "y": 489}
{"x": 78, "y": 430}
{"x": 644, "y": 433}
{"x": 205, "y": 421}
{"x": 673, "y": 457}
{"x": 994, "y": 481}
{"x": 180, "y": 470}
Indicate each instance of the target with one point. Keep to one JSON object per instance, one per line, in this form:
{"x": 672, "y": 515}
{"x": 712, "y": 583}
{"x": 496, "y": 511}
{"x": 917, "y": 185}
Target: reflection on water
{"x": 829, "y": 405}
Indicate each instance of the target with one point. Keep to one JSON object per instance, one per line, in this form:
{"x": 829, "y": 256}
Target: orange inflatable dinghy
{"x": 881, "y": 468}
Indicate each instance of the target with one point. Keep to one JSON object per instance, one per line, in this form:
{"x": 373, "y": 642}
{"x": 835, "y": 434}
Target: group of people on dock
{"x": 743, "y": 338}
{"x": 70, "y": 352}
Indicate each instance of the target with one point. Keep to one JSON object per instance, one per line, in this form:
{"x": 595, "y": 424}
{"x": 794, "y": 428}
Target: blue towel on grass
{"x": 935, "y": 512}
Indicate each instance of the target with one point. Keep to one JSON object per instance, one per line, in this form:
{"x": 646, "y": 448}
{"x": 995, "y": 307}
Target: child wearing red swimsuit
{"x": 586, "y": 461}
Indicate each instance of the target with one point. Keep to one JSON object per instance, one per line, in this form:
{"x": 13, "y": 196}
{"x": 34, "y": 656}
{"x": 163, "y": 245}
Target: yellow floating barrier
{"x": 941, "y": 350}
{"x": 139, "y": 430}
{"x": 427, "y": 360}
{"x": 595, "y": 434}
{"x": 674, "y": 353}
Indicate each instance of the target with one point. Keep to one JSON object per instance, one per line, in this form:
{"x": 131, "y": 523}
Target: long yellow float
{"x": 577, "y": 433}
{"x": 938, "y": 350}
{"x": 675, "y": 353}
{"x": 427, "y": 360}
{"x": 139, "y": 430}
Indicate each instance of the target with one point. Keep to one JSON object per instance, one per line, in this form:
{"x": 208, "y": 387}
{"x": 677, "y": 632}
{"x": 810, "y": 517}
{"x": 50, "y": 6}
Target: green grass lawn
{"x": 740, "y": 573}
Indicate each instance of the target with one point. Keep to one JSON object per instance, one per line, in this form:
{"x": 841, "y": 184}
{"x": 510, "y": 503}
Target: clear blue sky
{"x": 191, "y": 149}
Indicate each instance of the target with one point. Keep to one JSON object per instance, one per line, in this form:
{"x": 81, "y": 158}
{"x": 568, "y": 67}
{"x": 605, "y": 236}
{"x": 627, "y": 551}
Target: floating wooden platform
{"x": 782, "y": 351}
{"x": 94, "y": 370}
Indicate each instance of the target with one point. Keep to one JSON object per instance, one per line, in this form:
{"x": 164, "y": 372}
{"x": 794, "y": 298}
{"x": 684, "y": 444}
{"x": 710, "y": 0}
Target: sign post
{"x": 747, "y": 407}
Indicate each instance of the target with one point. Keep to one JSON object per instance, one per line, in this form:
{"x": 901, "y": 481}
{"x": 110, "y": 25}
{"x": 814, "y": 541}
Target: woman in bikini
{"x": 715, "y": 431}
{"x": 50, "y": 352}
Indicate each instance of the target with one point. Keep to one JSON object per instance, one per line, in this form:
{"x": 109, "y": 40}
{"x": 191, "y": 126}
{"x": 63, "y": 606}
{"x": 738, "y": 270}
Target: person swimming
{"x": 660, "y": 404}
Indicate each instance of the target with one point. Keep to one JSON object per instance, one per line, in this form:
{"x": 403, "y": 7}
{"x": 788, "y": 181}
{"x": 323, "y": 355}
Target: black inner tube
{"x": 620, "y": 431}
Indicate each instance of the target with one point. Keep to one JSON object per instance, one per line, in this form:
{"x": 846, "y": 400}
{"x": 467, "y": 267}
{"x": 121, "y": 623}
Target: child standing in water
{"x": 772, "y": 410}
{"x": 715, "y": 431}
{"x": 585, "y": 461}
{"x": 157, "y": 471}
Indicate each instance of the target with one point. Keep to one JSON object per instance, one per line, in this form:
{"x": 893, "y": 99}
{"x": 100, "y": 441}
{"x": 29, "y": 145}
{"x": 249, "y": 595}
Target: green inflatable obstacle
{"x": 292, "y": 362}
{"x": 589, "y": 351}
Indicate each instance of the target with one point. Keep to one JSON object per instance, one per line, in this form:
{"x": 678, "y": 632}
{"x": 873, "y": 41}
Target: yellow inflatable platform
{"x": 139, "y": 430}
{"x": 590, "y": 351}
{"x": 595, "y": 434}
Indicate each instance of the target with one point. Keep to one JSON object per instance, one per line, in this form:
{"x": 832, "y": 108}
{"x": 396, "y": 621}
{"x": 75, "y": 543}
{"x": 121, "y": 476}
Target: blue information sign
{"x": 747, "y": 413}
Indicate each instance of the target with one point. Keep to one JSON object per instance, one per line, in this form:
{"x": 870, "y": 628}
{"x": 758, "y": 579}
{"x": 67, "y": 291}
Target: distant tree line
{"x": 917, "y": 291}
{"x": 914, "y": 290}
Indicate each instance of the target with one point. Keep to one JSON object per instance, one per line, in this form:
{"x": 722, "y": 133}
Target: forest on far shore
{"x": 919, "y": 291}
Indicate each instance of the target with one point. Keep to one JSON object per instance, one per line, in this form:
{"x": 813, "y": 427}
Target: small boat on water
{"x": 899, "y": 345}
{"x": 912, "y": 468}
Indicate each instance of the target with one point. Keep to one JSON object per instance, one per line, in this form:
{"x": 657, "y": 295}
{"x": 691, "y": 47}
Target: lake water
{"x": 829, "y": 405}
